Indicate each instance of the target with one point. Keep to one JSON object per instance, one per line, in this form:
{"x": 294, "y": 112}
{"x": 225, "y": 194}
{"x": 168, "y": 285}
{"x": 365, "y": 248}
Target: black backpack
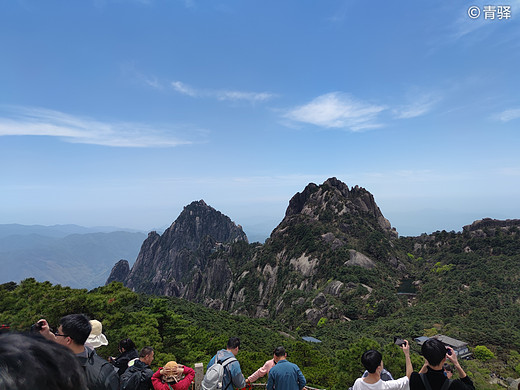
{"x": 445, "y": 386}
{"x": 100, "y": 374}
{"x": 132, "y": 378}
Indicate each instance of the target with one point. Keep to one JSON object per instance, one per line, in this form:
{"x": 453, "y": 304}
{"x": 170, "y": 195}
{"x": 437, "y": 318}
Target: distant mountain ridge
{"x": 57, "y": 230}
{"x": 70, "y": 255}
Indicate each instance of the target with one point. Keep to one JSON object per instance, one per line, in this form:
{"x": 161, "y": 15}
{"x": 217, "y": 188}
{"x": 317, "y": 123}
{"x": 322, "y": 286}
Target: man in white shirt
{"x": 373, "y": 363}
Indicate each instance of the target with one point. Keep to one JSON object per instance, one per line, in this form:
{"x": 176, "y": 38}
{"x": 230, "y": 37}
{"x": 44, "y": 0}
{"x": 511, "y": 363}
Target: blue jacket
{"x": 232, "y": 372}
{"x": 285, "y": 376}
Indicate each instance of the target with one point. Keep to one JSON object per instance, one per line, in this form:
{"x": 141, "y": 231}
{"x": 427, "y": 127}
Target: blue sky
{"x": 121, "y": 112}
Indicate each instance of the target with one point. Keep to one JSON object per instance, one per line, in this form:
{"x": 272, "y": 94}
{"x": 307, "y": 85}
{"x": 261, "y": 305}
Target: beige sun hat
{"x": 170, "y": 372}
{"x": 96, "y": 338}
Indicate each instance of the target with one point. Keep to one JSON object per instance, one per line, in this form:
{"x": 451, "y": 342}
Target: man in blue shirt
{"x": 285, "y": 375}
{"x": 232, "y": 373}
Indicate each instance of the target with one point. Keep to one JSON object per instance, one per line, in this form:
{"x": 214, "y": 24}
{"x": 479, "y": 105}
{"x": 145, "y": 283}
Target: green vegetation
{"x": 191, "y": 333}
{"x": 482, "y": 352}
{"x": 177, "y": 329}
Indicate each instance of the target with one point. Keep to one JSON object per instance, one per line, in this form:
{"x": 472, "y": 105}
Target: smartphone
{"x": 399, "y": 341}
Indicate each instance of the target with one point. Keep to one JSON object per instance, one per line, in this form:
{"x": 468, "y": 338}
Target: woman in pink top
{"x": 264, "y": 370}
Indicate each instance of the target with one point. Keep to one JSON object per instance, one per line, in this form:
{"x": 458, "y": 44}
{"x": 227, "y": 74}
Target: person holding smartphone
{"x": 431, "y": 376}
{"x": 373, "y": 362}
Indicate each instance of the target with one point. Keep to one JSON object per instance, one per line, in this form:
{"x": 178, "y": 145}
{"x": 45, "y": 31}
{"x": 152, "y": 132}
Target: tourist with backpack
{"x": 73, "y": 332}
{"x": 138, "y": 375}
{"x": 224, "y": 369}
{"x": 170, "y": 376}
{"x": 127, "y": 352}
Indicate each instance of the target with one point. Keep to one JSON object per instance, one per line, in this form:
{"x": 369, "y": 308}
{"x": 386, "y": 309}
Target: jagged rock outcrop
{"x": 328, "y": 233}
{"x": 360, "y": 260}
{"x": 335, "y": 196}
{"x": 491, "y": 224}
{"x": 180, "y": 262}
{"x": 119, "y": 272}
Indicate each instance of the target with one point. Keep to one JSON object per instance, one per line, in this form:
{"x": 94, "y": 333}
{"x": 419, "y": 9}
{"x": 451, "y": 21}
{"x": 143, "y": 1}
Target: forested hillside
{"x": 191, "y": 333}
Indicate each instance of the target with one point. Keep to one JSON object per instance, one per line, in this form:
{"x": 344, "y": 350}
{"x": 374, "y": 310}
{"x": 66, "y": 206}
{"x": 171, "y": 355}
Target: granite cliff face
{"x": 309, "y": 266}
{"x": 488, "y": 226}
{"x": 311, "y": 263}
{"x": 119, "y": 272}
{"x": 179, "y": 262}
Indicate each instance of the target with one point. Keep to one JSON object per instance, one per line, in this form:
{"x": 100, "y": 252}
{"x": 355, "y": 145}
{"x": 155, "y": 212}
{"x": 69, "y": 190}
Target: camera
{"x": 399, "y": 341}
{"x": 448, "y": 351}
{"x": 37, "y": 327}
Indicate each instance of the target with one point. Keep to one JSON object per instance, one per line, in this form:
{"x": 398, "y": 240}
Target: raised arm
{"x": 262, "y": 371}
{"x": 453, "y": 358}
{"x": 45, "y": 330}
{"x": 406, "y": 350}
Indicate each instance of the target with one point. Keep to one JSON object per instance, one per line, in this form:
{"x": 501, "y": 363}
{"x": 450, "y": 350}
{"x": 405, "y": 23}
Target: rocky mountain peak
{"x": 119, "y": 272}
{"x": 334, "y": 198}
{"x": 198, "y": 220}
{"x": 179, "y": 261}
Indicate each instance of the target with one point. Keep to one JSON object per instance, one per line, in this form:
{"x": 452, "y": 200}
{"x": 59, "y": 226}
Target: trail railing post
{"x": 199, "y": 375}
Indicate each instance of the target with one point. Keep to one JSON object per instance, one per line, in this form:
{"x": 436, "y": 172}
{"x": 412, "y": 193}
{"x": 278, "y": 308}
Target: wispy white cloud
{"x": 222, "y": 95}
{"x": 464, "y": 25}
{"x": 249, "y": 96}
{"x": 508, "y": 115}
{"x": 129, "y": 70}
{"x": 338, "y": 110}
{"x": 420, "y": 105}
{"x": 20, "y": 121}
{"x": 185, "y": 89}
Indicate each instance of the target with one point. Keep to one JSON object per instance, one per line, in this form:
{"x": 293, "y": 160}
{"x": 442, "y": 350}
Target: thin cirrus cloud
{"x": 508, "y": 115}
{"x": 419, "y": 106}
{"x": 337, "y": 110}
{"x": 19, "y": 121}
{"x": 222, "y": 95}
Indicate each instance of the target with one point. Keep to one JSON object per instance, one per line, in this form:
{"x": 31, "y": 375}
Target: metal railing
{"x": 199, "y": 374}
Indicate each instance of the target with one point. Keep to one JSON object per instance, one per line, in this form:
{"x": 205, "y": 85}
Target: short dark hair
{"x": 279, "y": 351}
{"x": 371, "y": 360}
{"x": 233, "y": 342}
{"x": 31, "y": 362}
{"x": 145, "y": 352}
{"x": 77, "y": 327}
{"x": 434, "y": 351}
{"x": 127, "y": 344}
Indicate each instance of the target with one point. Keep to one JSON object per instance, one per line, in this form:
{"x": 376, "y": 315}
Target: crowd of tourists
{"x": 66, "y": 359}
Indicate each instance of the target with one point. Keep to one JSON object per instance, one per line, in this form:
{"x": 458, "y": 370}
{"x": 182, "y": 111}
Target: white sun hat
{"x": 96, "y": 338}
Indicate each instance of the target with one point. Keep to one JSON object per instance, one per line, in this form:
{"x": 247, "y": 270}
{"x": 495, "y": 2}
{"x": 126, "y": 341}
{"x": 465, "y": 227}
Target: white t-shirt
{"x": 397, "y": 384}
